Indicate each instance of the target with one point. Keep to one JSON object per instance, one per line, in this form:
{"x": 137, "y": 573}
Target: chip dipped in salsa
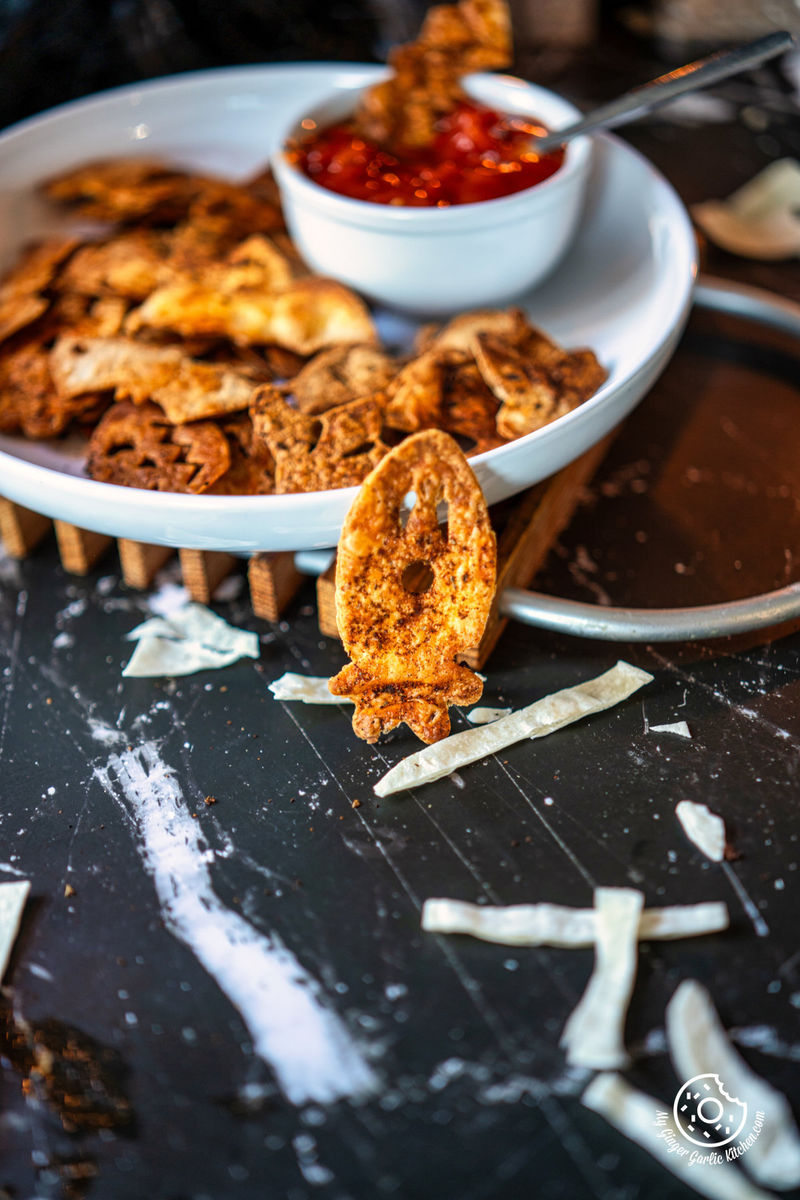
{"x": 476, "y": 154}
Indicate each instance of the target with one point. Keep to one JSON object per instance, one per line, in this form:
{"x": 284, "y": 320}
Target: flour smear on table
{"x": 305, "y": 1042}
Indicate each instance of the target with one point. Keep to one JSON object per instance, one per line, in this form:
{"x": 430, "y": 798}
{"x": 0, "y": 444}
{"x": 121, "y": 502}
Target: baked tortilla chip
{"x": 252, "y": 469}
{"x": 314, "y": 313}
{"x": 133, "y": 370}
{"x": 134, "y": 445}
{"x": 425, "y": 84}
{"x": 461, "y": 332}
{"x": 17, "y": 311}
{"x": 537, "y": 381}
{"x": 131, "y": 264}
{"x": 341, "y": 374}
{"x": 411, "y": 598}
{"x": 126, "y": 189}
{"x": 186, "y": 390}
{"x": 29, "y": 401}
{"x": 469, "y": 407}
{"x": 415, "y": 396}
{"x": 202, "y": 390}
{"x": 336, "y": 449}
{"x": 305, "y": 317}
{"x": 20, "y": 300}
{"x": 235, "y": 211}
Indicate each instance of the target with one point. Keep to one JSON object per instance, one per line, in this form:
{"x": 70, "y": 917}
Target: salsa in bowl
{"x": 482, "y": 248}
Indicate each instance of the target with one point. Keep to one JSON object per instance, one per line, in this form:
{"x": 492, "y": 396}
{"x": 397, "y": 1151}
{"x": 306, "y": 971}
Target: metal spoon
{"x": 668, "y": 87}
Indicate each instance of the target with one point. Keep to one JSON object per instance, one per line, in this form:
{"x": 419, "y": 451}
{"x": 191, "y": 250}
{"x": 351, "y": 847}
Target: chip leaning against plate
{"x": 412, "y": 595}
{"x": 164, "y": 331}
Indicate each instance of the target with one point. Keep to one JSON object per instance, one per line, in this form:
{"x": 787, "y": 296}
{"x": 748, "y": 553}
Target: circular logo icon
{"x": 705, "y": 1114}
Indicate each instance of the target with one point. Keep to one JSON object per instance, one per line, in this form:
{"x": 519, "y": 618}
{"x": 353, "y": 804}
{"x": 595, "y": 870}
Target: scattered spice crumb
{"x": 210, "y": 800}
{"x": 355, "y": 804}
{"x": 69, "y": 890}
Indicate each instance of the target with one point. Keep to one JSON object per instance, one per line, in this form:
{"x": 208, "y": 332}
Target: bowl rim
{"x": 496, "y": 211}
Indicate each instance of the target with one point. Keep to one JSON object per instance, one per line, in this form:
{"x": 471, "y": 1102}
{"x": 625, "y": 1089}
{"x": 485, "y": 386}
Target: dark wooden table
{"x": 173, "y": 947}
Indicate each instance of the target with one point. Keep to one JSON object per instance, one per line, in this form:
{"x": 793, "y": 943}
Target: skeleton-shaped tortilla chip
{"x": 411, "y": 598}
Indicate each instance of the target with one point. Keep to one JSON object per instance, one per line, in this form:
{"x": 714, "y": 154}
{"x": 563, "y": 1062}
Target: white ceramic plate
{"x": 624, "y": 289}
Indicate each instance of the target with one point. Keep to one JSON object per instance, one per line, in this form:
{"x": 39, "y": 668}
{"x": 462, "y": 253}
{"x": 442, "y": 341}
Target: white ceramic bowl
{"x": 435, "y": 261}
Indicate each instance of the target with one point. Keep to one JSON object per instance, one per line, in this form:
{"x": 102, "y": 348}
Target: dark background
{"x": 189, "y": 1109}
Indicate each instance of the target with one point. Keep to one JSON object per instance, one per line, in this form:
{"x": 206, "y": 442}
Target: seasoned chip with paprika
{"x": 134, "y": 445}
{"x": 21, "y": 302}
{"x": 252, "y": 469}
{"x": 414, "y": 397}
{"x": 185, "y": 389}
{"x": 336, "y": 449}
{"x": 341, "y": 374}
{"x": 304, "y": 317}
{"x": 411, "y": 596}
{"x": 537, "y": 381}
{"x": 126, "y": 189}
{"x": 426, "y": 74}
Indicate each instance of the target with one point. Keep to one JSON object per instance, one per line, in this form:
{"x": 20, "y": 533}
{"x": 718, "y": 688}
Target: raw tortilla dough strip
{"x": 679, "y": 728}
{"x": 157, "y": 657}
{"x": 12, "y": 902}
{"x": 537, "y": 720}
{"x": 485, "y": 716}
{"x": 197, "y": 623}
{"x": 703, "y": 828}
{"x": 559, "y": 925}
{"x": 594, "y": 1034}
{"x": 191, "y": 639}
{"x": 698, "y": 1045}
{"x": 633, "y": 1113}
{"x": 308, "y": 689}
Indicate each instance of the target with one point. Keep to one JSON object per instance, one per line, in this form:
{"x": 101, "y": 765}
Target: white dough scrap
{"x": 190, "y": 639}
{"x": 702, "y": 827}
{"x": 594, "y": 1033}
{"x": 485, "y": 716}
{"x": 760, "y": 220}
{"x": 308, "y": 689}
{"x": 634, "y": 1114}
{"x": 536, "y": 720}
{"x": 698, "y": 1045}
{"x": 12, "y": 902}
{"x": 560, "y": 925}
{"x": 679, "y": 728}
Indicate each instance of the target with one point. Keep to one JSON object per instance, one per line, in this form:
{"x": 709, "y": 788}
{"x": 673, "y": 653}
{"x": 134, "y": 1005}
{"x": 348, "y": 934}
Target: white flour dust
{"x": 307, "y": 1045}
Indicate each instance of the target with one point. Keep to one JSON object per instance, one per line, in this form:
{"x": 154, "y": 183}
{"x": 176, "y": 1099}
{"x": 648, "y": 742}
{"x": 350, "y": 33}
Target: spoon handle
{"x": 701, "y": 73}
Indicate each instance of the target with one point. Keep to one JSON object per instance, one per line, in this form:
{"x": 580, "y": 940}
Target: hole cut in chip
{"x": 417, "y": 577}
{"x": 404, "y": 641}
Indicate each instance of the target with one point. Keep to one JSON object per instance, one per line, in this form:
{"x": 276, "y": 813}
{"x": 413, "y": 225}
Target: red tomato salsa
{"x": 478, "y": 154}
